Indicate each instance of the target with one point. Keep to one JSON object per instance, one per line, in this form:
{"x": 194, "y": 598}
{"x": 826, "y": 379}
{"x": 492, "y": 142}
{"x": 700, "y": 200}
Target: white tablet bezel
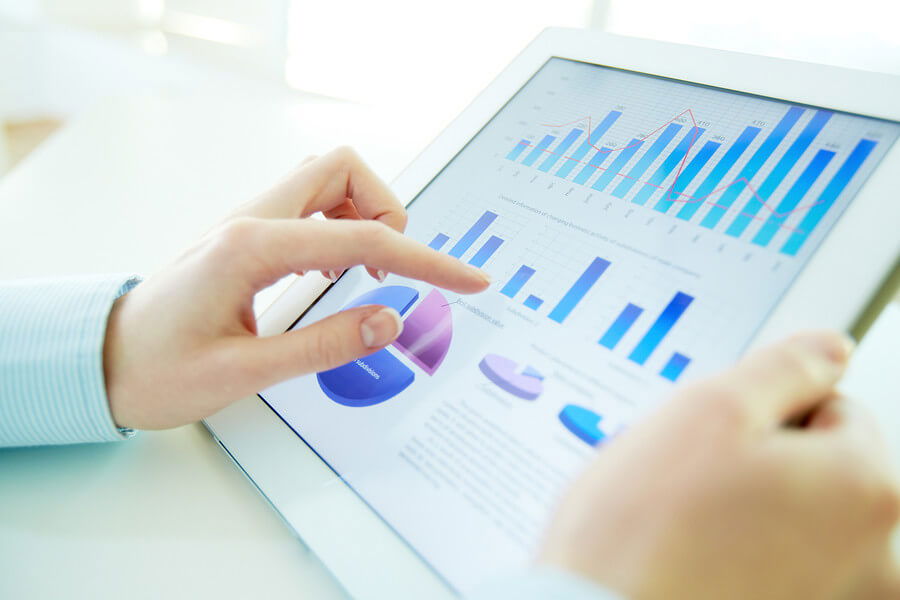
{"x": 360, "y": 549}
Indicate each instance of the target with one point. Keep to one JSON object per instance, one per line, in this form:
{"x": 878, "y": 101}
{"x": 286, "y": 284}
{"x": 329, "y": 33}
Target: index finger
{"x": 273, "y": 248}
{"x": 328, "y": 182}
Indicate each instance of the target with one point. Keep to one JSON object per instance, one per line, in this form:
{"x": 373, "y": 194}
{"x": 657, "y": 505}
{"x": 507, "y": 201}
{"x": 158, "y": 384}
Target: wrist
{"x": 113, "y": 346}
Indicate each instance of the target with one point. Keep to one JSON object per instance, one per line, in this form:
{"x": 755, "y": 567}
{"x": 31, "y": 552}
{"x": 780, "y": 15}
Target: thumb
{"x": 783, "y": 382}
{"x": 323, "y": 345}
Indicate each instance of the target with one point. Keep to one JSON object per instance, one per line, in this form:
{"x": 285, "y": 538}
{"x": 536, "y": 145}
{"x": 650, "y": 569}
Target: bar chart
{"x": 770, "y": 179}
{"x": 571, "y": 298}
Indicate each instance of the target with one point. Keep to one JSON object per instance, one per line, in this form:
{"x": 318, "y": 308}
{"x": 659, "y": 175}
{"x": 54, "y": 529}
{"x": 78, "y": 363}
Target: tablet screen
{"x": 638, "y": 231}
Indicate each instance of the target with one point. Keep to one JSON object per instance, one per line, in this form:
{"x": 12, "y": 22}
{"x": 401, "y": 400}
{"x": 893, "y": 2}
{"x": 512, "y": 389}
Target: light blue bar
{"x": 578, "y": 290}
{"x": 675, "y": 367}
{"x": 649, "y": 156}
{"x": 617, "y": 165}
{"x": 466, "y": 241}
{"x": 718, "y": 173}
{"x": 538, "y": 150}
{"x": 486, "y": 251}
{"x": 620, "y": 326}
{"x": 685, "y": 177}
{"x": 828, "y": 197}
{"x": 792, "y": 199}
{"x": 755, "y": 163}
{"x": 591, "y": 142}
{"x": 438, "y": 242}
{"x": 516, "y": 282}
{"x": 598, "y": 159}
{"x": 673, "y": 160}
{"x": 533, "y": 302}
{"x": 560, "y": 150}
{"x": 660, "y": 328}
{"x": 782, "y": 168}
{"x": 517, "y": 149}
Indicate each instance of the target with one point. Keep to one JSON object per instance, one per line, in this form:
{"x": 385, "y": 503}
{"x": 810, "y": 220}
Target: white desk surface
{"x": 124, "y": 188}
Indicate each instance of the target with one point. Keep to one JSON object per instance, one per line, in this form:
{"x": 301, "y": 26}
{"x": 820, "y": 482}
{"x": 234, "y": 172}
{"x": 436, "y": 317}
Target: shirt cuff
{"x": 542, "y": 583}
{"x": 52, "y": 386}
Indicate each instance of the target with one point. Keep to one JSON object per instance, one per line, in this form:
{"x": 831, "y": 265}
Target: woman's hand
{"x": 184, "y": 344}
{"x": 721, "y": 494}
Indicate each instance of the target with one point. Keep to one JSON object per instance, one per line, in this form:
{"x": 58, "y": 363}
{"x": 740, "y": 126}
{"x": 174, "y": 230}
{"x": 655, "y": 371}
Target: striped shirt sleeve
{"x": 52, "y": 388}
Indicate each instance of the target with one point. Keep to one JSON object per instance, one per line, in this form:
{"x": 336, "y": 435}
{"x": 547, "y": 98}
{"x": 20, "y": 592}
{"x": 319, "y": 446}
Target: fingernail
{"x": 380, "y": 276}
{"x": 836, "y": 347}
{"x": 380, "y": 328}
{"x": 482, "y": 274}
{"x": 849, "y": 345}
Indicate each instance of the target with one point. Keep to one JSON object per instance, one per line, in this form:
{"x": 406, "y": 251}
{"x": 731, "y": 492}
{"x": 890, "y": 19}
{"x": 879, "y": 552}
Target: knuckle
{"x": 869, "y": 487}
{"x": 402, "y": 219}
{"x": 800, "y": 364}
{"x": 725, "y": 402}
{"x": 373, "y": 233}
{"x": 328, "y": 349}
{"x": 236, "y": 233}
{"x": 346, "y": 155}
{"x": 714, "y": 408}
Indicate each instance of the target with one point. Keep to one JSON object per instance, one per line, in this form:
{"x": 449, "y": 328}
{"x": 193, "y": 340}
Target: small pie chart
{"x": 425, "y": 341}
{"x": 526, "y": 383}
{"x": 583, "y": 423}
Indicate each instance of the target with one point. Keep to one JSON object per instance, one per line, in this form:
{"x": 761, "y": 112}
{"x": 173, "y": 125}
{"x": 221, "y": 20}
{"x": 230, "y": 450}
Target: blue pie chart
{"x": 425, "y": 340}
{"x": 583, "y": 423}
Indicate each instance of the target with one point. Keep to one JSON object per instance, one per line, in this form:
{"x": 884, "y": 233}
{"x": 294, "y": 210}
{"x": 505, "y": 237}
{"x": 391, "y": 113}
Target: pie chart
{"x": 583, "y": 423}
{"x": 526, "y": 383}
{"x": 425, "y": 341}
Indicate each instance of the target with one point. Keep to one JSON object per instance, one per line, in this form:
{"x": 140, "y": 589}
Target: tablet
{"x": 647, "y": 212}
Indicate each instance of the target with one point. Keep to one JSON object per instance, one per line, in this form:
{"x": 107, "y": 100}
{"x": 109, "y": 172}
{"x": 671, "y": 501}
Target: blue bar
{"x": 792, "y": 199}
{"x": 533, "y": 302}
{"x": 660, "y": 328}
{"x": 466, "y": 241}
{"x": 517, "y": 281}
{"x": 683, "y": 179}
{"x": 593, "y": 165}
{"x": 755, "y": 163}
{"x": 438, "y": 242}
{"x": 782, "y": 168}
{"x": 829, "y": 196}
{"x": 673, "y": 160}
{"x": 560, "y": 149}
{"x": 517, "y": 149}
{"x": 620, "y": 326}
{"x": 649, "y": 156}
{"x": 591, "y": 142}
{"x": 718, "y": 173}
{"x": 486, "y": 251}
{"x": 538, "y": 150}
{"x": 676, "y": 365}
{"x": 578, "y": 290}
{"x": 625, "y": 155}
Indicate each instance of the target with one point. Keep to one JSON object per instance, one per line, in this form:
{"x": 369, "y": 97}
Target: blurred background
{"x": 416, "y": 58}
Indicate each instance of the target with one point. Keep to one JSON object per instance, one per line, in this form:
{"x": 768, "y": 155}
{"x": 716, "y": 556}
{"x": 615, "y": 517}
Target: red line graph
{"x": 681, "y": 197}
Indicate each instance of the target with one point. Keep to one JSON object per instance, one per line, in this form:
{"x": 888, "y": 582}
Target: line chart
{"x": 761, "y": 204}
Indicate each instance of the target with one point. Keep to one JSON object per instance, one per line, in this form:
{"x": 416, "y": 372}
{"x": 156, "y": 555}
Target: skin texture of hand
{"x": 759, "y": 483}
{"x": 183, "y": 344}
